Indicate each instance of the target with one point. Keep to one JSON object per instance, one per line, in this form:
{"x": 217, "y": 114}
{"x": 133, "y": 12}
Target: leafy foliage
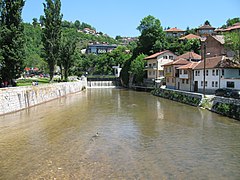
{"x": 52, "y": 33}
{"x": 137, "y": 68}
{"x": 233, "y": 43}
{"x": 11, "y": 39}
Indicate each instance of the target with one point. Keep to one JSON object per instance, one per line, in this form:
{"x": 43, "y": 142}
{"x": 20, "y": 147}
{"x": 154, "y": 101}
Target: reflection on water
{"x": 140, "y": 137}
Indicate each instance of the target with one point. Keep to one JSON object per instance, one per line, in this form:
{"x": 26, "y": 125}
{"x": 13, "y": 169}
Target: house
{"x": 221, "y": 72}
{"x": 234, "y": 28}
{"x": 155, "y": 64}
{"x": 175, "y": 32}
{"x": 186, "y": 76}
{"x": 205, "y": 30}
{"x": 189, "y": 36}
{"x": 190, "y": 56}
{"x": 171, "y": 72}
{"x": 215, "y": 46}
{"x": 100, "y": 48}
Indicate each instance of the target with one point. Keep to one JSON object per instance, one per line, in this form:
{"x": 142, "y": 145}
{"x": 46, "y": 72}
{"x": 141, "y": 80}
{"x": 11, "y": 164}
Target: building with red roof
{"x": 175, "y": 32}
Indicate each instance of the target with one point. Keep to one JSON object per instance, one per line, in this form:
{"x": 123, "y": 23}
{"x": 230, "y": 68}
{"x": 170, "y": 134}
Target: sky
{"x": 122, "y": 17}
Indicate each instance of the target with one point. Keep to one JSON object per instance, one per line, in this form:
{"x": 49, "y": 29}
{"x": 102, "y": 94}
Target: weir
{"x": 101, "y": 84}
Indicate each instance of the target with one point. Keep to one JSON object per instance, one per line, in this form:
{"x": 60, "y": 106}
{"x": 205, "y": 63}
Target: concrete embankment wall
{"x": 18, "y": 98}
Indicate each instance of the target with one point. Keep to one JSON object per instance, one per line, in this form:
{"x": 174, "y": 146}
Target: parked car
{"x": 235, "y": 94}
{"x": 223, "y": 92}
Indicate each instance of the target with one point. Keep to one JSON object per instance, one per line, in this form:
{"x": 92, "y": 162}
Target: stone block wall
{"x": 18, "y": 98}
{"x": 227, "y": 106}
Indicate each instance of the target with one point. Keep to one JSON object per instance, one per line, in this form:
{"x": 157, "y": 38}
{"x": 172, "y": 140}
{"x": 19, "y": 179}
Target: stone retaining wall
{"x": 227, "y": 107}
{"x": 190, "y": 98}
{"x": 18, "y": 98}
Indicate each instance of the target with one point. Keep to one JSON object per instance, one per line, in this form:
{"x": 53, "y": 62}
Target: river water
{"x": 140, "y": 137}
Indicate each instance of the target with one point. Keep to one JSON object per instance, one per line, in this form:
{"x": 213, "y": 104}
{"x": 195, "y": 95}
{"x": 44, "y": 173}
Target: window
{"x": 213, "y": 72}
{"x": 183, "y": 81}
{"x": 154, "y": 64}
{"x": 150, "y": 65}
{"x": 170, "y": 57}
{"x": 153, "y": 72}
{"x": 239, "y": 72}
{"x": 201, "y": 83}
{"x": 168, "y": 80}
{"x": 230, "y": 84}
{"x": 206, "y": 72}
{"x": 206, "y": 83}
{"x": 213, "y": 83}
{"x": 149, "y": 73}
{"x": 216, "y": 84}
{"x": 222, "y": 72}
{"x": 217, "y": 72}
{"x": 185, "y": 71}
{"x": 196, "y": 73}
{"x": 164, "y": 57}
{"x": 170, "y": 69}
{"x": 187, "y": 81}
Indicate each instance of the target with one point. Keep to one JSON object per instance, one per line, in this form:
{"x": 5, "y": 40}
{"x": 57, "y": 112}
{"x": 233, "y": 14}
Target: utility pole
{"x": 204, "y": 69}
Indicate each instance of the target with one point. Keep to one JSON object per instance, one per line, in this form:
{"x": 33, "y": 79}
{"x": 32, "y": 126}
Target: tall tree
{"x": 68, "y": 46}
{"x": 77, "y": 24}
{"x": 12, "y": 39}
{"x": 35, "y": 22}
{"x": 52, "y": 33}
{"x": 152, "y": 38}
{"x": 232, "y": 42}
{"x": 207, "y": 23}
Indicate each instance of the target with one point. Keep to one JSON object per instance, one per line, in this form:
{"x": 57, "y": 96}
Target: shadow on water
{"x": 140, "y": 136}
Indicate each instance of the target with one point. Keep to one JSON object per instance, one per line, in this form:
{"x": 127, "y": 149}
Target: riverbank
{"x": 225, "y": 106}
{"x": 18, "y": 98}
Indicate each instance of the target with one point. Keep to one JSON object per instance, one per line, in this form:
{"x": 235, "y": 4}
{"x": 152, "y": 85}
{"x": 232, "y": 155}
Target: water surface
{"x": 140, "y": 137}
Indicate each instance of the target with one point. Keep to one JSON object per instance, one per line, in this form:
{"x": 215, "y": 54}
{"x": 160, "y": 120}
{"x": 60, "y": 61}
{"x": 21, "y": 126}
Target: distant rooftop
{"x": 174, "y": 30}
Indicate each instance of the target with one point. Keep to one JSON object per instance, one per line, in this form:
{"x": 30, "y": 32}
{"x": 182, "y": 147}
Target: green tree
{"x": 137, "y": 68}
{"x": 152, "y": 38}
{"x": 232, "y": 42}
{"x": 52, "y": 33}
{"x": 68, "y": 46}
{"x": 232, "y": 21}
{"x": 207, "y": 23}
{"x": 77, "y": 24}
{"x": 35, "y": 22}
{"x": 41, "y": 20}
{"x": 12, "y": 39}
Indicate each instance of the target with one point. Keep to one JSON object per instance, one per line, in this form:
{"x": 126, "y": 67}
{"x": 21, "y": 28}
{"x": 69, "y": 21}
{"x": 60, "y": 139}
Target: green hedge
{"x": 230, "y": 110}
{"x": 177, "y": 96}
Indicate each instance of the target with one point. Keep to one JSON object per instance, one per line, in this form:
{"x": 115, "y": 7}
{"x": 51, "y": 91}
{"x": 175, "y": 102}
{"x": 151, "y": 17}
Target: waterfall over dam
{"x": 101, "y": 84}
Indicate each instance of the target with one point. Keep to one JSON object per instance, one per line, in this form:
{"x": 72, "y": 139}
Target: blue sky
{"x": 121, "y": 17}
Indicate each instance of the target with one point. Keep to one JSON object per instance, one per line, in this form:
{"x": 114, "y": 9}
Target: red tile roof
{"x": 174, "y": 30}
{"x": 190, "y": 65}
{"x": 153, "y": 56}
{"x": 190, "y": 36}
{"x": 180, "y": 61}
{"x": 206, "y": 27}
{"x": 218, "y": 62}
{"x": 189, "y": 55}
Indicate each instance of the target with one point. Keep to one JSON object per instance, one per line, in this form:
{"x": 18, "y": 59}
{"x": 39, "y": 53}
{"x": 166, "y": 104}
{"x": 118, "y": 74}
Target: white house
{"x": 221, "y": 72}
{"x": 155, "y": 64}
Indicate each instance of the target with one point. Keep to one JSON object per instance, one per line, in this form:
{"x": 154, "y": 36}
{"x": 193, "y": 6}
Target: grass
{"x": 28, "y": 82}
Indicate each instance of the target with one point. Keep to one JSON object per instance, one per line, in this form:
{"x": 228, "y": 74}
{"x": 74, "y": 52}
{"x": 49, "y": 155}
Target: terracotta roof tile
{"x": 189, "y": 55}
{"x": 174, "y": 30}
{"x": 206, "y": 27}
{"x": 180, "y": 61}
{"x": 191, "y": 65}
{"x": 153, "y": 56}
{"x": 190, "y": 36}
{"x": 218, "y": 62}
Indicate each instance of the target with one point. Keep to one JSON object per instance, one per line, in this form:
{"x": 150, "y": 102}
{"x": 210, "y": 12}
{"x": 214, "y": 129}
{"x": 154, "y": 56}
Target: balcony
{"x": 183, "y": 76}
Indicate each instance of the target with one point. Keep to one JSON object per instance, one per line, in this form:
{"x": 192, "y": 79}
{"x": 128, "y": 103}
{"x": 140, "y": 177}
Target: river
{"x": 140, "y": 136}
